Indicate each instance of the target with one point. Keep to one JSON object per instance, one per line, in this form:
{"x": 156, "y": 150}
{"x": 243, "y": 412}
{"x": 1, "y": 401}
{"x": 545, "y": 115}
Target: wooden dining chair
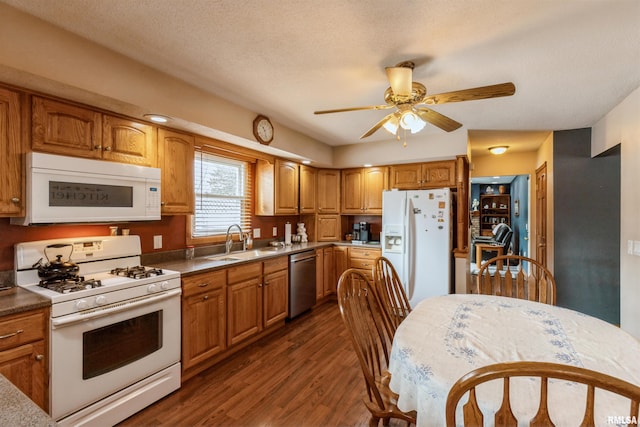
{"x": 362, "y": 315}
{"x": 391, "y": 293}
{"x": 515, "y": 279}
{"x": 472, "y": 416}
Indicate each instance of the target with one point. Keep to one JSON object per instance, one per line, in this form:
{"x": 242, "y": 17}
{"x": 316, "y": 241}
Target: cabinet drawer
{"x": 364, "y": 264}
{"x": 366, "y": 253}
{"x": 277, "y": 264}
{"x": 244, "y": 272}
{"x": 21, "y": 328}
{"x": 193, "y": 285}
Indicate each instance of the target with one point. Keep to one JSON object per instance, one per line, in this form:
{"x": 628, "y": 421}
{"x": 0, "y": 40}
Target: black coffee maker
{"x": 362, "y": 231}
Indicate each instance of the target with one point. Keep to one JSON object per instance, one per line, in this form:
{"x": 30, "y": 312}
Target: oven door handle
{"x": 113, "y": 308}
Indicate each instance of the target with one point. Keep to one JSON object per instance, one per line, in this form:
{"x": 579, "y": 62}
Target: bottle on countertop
{"x": 249, "y": 241}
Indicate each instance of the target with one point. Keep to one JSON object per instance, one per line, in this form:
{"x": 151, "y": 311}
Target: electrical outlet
{"x": 157, "y": 242}
{"x": 275, "y": 231}
{"x": 256, "y": 233}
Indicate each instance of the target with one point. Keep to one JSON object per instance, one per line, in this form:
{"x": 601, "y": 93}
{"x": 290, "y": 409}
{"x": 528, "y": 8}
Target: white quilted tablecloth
{"x": 445, "y": 337}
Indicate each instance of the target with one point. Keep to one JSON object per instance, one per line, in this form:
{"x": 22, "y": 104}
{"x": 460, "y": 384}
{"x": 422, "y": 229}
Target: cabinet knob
{"x": 39, "y": 357}
{"x": 97, "y": 147}
{"x": 107, "y": 148}
{"x": 206, "y": 297}
{"x": 202, "y": 285}
{"x": 15, "y": 200}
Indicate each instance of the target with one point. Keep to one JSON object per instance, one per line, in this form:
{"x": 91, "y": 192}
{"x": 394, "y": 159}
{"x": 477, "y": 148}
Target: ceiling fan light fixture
{"x": 391, "y": 125}
{"x": 411, "y": 121}
{"x": 501, "y": 149}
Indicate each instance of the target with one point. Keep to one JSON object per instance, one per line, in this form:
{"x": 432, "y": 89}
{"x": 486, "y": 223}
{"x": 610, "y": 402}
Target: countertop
{"x": 16, "y": 300}
{"x": 213, "y": 262}
{"x": 18, "y": 410}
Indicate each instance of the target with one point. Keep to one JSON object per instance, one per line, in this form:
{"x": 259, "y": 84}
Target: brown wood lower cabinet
{"x": 244, "y": 295}
{"x": 23, "y": 347}
{"x": 203, "y": 317}
{"x": 225, "y": 310}
{"x": 363, "y": 259}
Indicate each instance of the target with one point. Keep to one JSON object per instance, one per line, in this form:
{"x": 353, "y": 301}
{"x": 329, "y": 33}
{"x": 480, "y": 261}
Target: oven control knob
{"x": 101, "y": 300}
{"x": 164, "y": 285}
{"x": 152, "y": 288}
{"x": 82, "y": 304}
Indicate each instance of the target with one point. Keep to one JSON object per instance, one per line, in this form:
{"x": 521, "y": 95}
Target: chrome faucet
{"x": 229, "y": 242}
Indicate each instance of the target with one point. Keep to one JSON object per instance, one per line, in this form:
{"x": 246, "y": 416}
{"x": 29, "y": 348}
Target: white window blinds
{"x": 223, "y": 195}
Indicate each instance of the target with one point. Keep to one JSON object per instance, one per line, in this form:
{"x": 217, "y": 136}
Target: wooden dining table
{"x": 445, "y": 337}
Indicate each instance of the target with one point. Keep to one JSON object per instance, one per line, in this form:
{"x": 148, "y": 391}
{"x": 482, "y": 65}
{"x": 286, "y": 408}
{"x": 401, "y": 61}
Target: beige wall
{"x": 622, "y": 126}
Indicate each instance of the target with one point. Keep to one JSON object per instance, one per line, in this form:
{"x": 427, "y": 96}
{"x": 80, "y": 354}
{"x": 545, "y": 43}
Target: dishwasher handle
{"x": 305, "y": 256}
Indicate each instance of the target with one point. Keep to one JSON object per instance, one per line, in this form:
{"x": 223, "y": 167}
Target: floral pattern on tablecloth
{"x": 459, "y": 345}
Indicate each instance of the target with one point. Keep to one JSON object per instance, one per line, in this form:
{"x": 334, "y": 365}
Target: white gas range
{"x": 115, "y": 326}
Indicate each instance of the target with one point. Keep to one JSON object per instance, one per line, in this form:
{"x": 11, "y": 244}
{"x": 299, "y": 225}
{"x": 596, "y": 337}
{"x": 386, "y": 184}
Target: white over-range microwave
{"x": 63, "y": 189}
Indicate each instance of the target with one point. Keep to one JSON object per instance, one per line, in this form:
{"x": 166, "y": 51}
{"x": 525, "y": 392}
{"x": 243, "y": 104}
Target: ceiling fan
{"x": 410, "y": 99}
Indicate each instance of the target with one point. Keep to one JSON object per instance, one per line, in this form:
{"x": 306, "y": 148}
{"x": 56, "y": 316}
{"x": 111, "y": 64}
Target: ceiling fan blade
{"x": 400, "y": 80}
{"x": 437, "y": 119}
{"x": 378, "y": 125}
{"x": 342, "y": 110}
{"x": 483, "y": 92}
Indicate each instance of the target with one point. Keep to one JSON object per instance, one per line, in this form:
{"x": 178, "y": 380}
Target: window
{"x": 222, "y": 195}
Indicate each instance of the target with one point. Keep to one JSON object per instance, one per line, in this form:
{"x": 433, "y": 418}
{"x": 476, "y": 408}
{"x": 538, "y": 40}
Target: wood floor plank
{"x": 303, "y": 375}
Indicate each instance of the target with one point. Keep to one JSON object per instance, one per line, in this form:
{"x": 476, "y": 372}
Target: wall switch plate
{"x": 275, "y": 231}
{"x": 256, "y": 233}
{"x": 636, "y": 247}
{"x": 157, "y": 242}
{"x": 629, "y": 247}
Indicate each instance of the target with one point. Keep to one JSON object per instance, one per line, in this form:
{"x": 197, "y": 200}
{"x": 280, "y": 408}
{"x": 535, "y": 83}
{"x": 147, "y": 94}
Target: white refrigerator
{"x": 416, "y": 238}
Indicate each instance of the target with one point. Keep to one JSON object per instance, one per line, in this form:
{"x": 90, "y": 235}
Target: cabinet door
{"x": 275, "y": 291}
{"x": 340, "y": 260}
{"x": 286, "y": 188}
{"x": 375, "y": 181}
{"x": 319, "y": 274}
{"x": 439, "y": 174}
{"x": 406, "y": 177}
{"x": 244, "y": 311}
{"x": 308, "y": 178}
{"x": 328, "y": 191}
{"x": 329, "y": 284}
{"x": 25, "y": 367}
{"x": 203, "y": 326}
{"x": 127, "y": 141}
{"x": 65, "y": 129}
{"x": 11, "y": 192}
{"x": 176, "y": 156}
{"x": 328, "y": 228}
{"x": 352, "y": 191}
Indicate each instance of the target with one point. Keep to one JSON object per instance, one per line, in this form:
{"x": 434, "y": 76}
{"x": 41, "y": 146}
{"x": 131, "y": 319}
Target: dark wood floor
{"x": 304, "y": 375}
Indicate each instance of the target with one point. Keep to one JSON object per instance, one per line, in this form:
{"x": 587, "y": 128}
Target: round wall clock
{"x": 263, "y": 130}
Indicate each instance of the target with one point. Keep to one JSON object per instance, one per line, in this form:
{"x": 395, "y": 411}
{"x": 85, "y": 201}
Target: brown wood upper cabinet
{"x": 276, "y": 187}
{"x": 308, "y": 179}
{"x": 424, "y": 175}
{"x": 362, "y": 190}
{"x": 11, "y": 189}
{"x": 176, "y": 155}
{"x": 71, "y": 130}
{"x": 328, "y": 191}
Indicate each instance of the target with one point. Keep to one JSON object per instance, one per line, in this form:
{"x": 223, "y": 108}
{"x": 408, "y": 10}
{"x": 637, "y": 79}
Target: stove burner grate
{"x": 70, "y": 284}
{"x": 137, "y": 272}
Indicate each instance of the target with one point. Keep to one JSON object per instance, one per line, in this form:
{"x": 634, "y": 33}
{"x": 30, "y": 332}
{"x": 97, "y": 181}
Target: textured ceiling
{"x": 571, "y": 60}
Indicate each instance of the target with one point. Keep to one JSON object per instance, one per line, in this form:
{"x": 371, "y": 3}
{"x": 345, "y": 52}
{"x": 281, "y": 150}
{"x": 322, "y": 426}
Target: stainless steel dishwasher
{"x": 302, "y": 282}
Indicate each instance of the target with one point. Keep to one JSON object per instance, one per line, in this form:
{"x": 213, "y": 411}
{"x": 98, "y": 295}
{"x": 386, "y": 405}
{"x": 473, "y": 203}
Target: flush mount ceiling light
{"x": 157, "y": 118}
{"x": 498, "y": 149}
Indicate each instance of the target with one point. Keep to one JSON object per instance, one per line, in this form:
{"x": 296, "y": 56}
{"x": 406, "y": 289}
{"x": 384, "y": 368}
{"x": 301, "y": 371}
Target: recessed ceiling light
{"x": 157, "y": 118}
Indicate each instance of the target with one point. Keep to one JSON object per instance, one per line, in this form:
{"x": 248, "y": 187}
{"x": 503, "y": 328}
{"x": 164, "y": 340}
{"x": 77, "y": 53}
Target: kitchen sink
{"x": 244, "y": 255}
